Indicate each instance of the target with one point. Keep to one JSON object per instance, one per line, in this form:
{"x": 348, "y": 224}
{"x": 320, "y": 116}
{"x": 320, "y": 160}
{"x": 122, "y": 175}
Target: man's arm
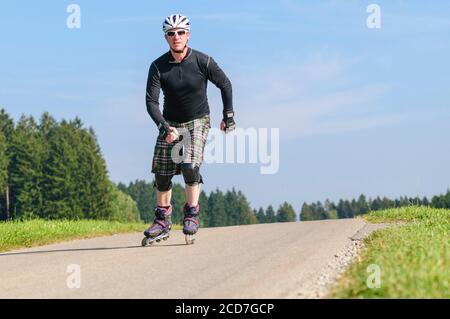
{"x": 152, "y": 100}
{"x": 218, "y": 77}
{"x": 152, "y": 96}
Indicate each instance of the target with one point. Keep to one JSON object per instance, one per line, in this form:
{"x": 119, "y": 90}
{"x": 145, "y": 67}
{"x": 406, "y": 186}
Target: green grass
{"x": 414, "y": 258}
{"x": 20, "y": 234}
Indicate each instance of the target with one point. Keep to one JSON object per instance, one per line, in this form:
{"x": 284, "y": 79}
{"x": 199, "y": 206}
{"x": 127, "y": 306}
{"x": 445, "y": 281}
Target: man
{"x": 182, "y": 74}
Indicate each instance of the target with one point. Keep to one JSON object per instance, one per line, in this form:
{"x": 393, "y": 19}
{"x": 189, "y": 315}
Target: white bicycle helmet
{"x": 176, "y": 21}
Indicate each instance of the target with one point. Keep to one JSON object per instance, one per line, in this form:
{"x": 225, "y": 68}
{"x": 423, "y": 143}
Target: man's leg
{"x": 192, "y": 194}
{"x": 163, "y": 186}
{"x": 163, "y": 212}
{"x": 163, "y": 198}
{"x": 192, "y": 178}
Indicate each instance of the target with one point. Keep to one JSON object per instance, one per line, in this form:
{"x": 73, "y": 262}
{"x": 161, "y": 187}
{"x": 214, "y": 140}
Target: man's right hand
{"x": 167, "y": 132}
{"x": 173, "y": 135}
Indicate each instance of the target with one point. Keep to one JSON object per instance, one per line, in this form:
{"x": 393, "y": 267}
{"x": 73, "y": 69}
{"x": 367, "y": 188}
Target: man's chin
{"x": 178, "y": 48}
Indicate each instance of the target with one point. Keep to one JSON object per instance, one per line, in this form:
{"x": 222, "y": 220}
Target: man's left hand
{"x": 228, "y": 124}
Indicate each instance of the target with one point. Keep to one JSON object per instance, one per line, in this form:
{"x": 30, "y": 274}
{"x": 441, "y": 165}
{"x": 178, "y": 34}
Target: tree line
{"x": 55, "y": 170}
{"x": 361, "y": 206}
{"x": 216, "y": 209}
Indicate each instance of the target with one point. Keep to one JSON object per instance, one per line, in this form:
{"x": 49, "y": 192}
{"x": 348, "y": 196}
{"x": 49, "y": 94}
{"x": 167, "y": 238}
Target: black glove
{"x": 229, "y": 121}
{"x": 164, "y": 129}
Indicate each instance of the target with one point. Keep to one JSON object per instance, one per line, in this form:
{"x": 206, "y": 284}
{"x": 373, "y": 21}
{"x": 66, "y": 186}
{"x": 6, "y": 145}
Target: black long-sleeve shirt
{"x": 184, "y": 86}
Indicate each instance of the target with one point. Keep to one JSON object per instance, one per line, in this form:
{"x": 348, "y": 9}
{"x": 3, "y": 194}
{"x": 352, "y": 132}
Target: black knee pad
{"x": 191, "y": 174}
{"x": 163, "y": 183}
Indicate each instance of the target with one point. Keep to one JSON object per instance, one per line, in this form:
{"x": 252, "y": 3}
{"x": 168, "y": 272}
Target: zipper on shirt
{"x": 180, "y": 72}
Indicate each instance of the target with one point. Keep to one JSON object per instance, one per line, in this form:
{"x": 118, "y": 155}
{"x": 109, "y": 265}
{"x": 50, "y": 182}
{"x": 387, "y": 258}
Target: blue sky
{"x": 359, "y": 110}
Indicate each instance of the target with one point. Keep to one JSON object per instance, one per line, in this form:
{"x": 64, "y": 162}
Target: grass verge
{"x": 20, "y": 234}
{"x": 413, "y": 260}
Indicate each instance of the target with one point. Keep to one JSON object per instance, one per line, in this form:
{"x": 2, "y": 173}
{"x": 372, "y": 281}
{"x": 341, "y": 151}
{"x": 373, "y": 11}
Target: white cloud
{"x": 310, "y": 98}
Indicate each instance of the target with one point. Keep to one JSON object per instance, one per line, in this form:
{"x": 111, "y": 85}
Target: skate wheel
{"x": 158, "y": 240}
{"x": 145, "y": 242}
{"x": 165, "y": 238}
{"x": 189, "y": 239}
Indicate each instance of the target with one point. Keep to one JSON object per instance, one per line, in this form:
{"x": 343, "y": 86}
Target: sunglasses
{"x": 172, "y": 33}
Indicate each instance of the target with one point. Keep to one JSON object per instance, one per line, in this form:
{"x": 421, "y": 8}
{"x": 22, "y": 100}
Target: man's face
{"x": 177, "y": 38}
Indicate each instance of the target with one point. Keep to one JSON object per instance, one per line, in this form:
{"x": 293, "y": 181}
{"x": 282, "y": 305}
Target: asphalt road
{"x": 257, "y": 261}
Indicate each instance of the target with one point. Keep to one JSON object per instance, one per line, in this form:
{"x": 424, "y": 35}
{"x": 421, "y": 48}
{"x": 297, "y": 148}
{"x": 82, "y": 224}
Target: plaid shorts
{"x": 167, "y": 158}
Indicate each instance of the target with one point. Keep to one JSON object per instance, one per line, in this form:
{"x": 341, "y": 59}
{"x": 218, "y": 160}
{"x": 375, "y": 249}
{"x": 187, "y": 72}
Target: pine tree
{"x": 96, "y": 202}
{"x": 306, "y": 213}
{"x": 376, "y": 204}
{"x": 447, "y": 199}
{"x": 330, "y": 210}
{"x": 246, "y": 215}
{"x": 348, "y": 209}
{"x": 286, "y": 213}
{"x": 270, "y": 215}
{"x": 341, "y": 209}
{"x": 4, "y": 162}
{"x": 319, "y": 211}
{"x": 61, "y": 198}
{"x": 26, "y": 169}
{"x": 76, "y": 184}
{"x": 363, "y": 207}
{"x": 231, "y": 208}
{"x": 404, "y": 201}
{"x": 261, "y": 216}
{"x": 100, "y": 200}
{"x": 386, "y": 203}
{"x": 7, "y": 129}
{"x": 216, "y": 207}
{"x": 438, "y": 201}
{"x": 416, "y": 201}
{"x": 46, "y": 126}
{"x": 354, "y": 208}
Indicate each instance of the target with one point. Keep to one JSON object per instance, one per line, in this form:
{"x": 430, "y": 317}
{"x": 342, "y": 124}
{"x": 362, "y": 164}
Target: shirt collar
{"x": 172, "y": 60}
